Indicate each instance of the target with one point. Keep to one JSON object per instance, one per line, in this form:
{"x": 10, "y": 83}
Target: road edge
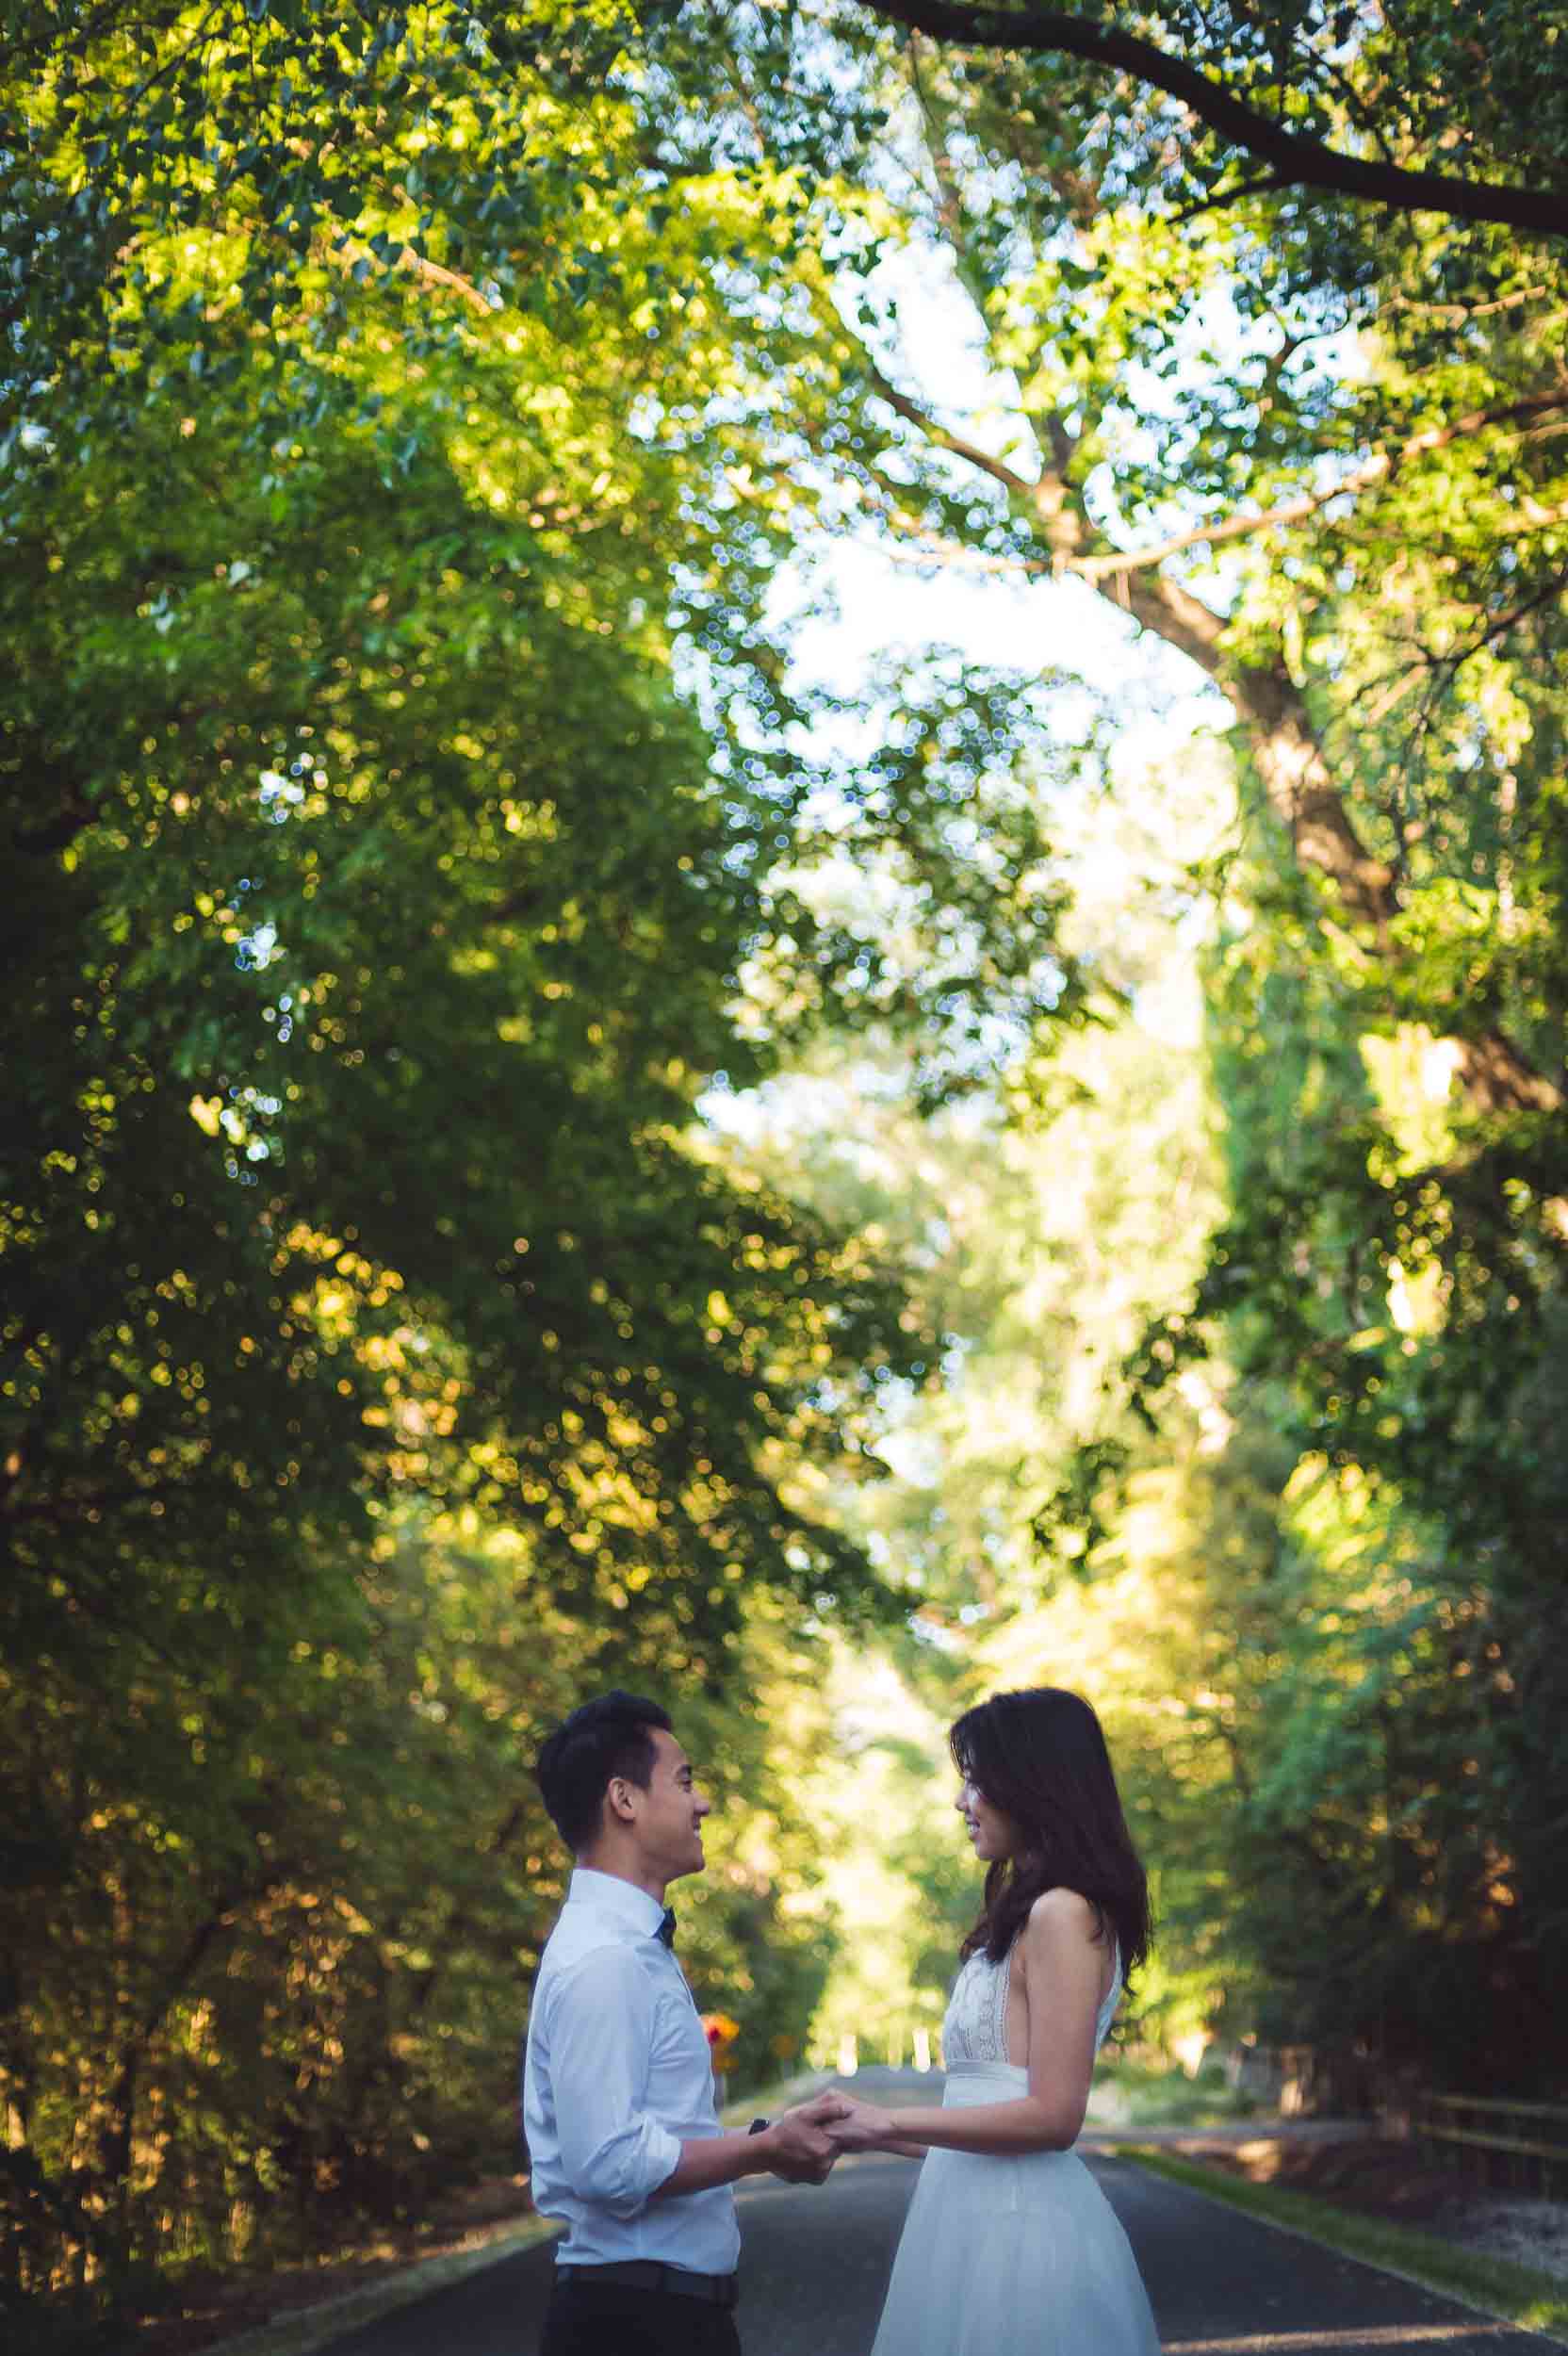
{"x": 1331, "y": 2227}
{"x": 310, "y": 2329}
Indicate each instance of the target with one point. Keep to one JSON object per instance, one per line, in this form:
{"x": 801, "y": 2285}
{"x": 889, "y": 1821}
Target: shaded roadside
{"x": 1379, "y": 2177}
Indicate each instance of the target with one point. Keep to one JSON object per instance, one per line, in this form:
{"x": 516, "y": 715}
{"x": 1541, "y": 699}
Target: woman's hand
{"x": 861, "y": 2126}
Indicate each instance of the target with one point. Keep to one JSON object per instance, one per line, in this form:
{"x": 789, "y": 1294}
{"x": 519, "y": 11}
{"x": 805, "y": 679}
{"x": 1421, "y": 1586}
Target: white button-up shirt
{"x": 617, "y": 2076}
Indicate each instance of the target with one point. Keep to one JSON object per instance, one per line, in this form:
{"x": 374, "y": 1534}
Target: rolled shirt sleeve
{"x": 601, "y": 2032}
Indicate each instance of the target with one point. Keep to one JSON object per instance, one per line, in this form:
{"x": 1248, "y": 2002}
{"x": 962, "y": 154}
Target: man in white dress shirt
{"x": 618, "y": 2110}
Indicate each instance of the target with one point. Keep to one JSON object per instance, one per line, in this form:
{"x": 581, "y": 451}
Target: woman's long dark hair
{"x": 1040, "y": 1757}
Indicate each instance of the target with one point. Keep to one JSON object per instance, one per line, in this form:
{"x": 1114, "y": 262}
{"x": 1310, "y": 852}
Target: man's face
{"x": 670, "y": 1814}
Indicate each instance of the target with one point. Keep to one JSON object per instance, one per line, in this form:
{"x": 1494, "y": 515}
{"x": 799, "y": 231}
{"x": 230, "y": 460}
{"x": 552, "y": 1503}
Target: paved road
{"x": 816, "y": 2262}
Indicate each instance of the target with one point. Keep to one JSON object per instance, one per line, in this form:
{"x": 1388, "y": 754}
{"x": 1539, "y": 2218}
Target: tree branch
{"x": 1017, "y": 485}
{"x": 1383, "y": 463}
{"x": 1455, "y": 314}
{"x": 1300, "y": 160}
{"x": 1045, "y": 496}
{"x": 1222, "y": 198}
{"x": 1048, "y": 429}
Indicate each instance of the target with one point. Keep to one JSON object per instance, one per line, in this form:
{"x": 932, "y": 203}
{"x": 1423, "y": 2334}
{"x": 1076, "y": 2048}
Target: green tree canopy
{"x": 401, "y": 840}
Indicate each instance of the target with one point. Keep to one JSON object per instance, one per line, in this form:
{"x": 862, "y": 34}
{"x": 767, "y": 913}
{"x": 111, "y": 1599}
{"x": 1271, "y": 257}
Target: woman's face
{"x": 993, "y": 1834}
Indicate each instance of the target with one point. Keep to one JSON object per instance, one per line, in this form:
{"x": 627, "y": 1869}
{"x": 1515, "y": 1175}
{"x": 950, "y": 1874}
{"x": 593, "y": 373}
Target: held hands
{"x": 856, "y": 2126}
{"x": 800, "y": 2149}
{"x": 804, "y": 2143}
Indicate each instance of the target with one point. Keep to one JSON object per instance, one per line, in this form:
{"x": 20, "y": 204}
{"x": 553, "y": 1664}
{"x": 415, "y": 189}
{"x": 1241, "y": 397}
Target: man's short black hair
{"x": 603, "y": 1739}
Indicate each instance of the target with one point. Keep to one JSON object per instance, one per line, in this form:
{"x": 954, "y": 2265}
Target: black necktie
{"x": 666, "y": 1933}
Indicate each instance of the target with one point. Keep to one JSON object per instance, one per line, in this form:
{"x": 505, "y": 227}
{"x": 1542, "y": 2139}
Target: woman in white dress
{"x": 1010, "y": 2248}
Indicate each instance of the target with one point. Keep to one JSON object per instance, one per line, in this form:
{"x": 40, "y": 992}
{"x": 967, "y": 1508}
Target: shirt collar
{"x": 607, "y": 1893}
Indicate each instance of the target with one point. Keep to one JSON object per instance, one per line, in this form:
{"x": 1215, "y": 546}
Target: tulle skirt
{"x": 1019, "y": 2257}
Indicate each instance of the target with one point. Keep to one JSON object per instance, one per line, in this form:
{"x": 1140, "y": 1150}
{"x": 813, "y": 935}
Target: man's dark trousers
{"x": 588, "y": 2319}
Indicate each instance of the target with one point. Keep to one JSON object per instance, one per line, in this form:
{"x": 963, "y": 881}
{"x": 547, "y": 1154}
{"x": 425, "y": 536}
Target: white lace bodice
{"x": 976, "y": 2027}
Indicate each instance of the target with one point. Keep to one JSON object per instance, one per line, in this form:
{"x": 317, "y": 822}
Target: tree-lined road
{"x": 816, "y": 2263}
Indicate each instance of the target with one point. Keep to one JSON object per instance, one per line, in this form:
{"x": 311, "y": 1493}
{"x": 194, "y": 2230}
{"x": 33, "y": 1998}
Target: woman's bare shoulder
{"x": 1063, "y": 1914}
{"x": 1059, "y": 1945}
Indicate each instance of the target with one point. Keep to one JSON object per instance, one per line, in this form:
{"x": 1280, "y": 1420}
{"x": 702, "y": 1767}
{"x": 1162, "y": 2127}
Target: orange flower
{"x": 722, "y": 2033}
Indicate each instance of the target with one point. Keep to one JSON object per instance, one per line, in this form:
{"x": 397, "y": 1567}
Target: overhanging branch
{"x": 1297, "y": 159}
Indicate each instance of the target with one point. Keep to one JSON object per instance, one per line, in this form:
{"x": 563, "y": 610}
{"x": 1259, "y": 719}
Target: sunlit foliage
{"x": 410, "y": 830}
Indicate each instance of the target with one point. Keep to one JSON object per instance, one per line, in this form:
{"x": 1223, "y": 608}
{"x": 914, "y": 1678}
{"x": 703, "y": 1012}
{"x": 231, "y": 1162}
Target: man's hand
{"x": 798, "y": 2148}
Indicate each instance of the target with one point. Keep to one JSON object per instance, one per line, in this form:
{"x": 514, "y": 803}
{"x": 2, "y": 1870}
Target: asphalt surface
{"x": 816, "y": 2262}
